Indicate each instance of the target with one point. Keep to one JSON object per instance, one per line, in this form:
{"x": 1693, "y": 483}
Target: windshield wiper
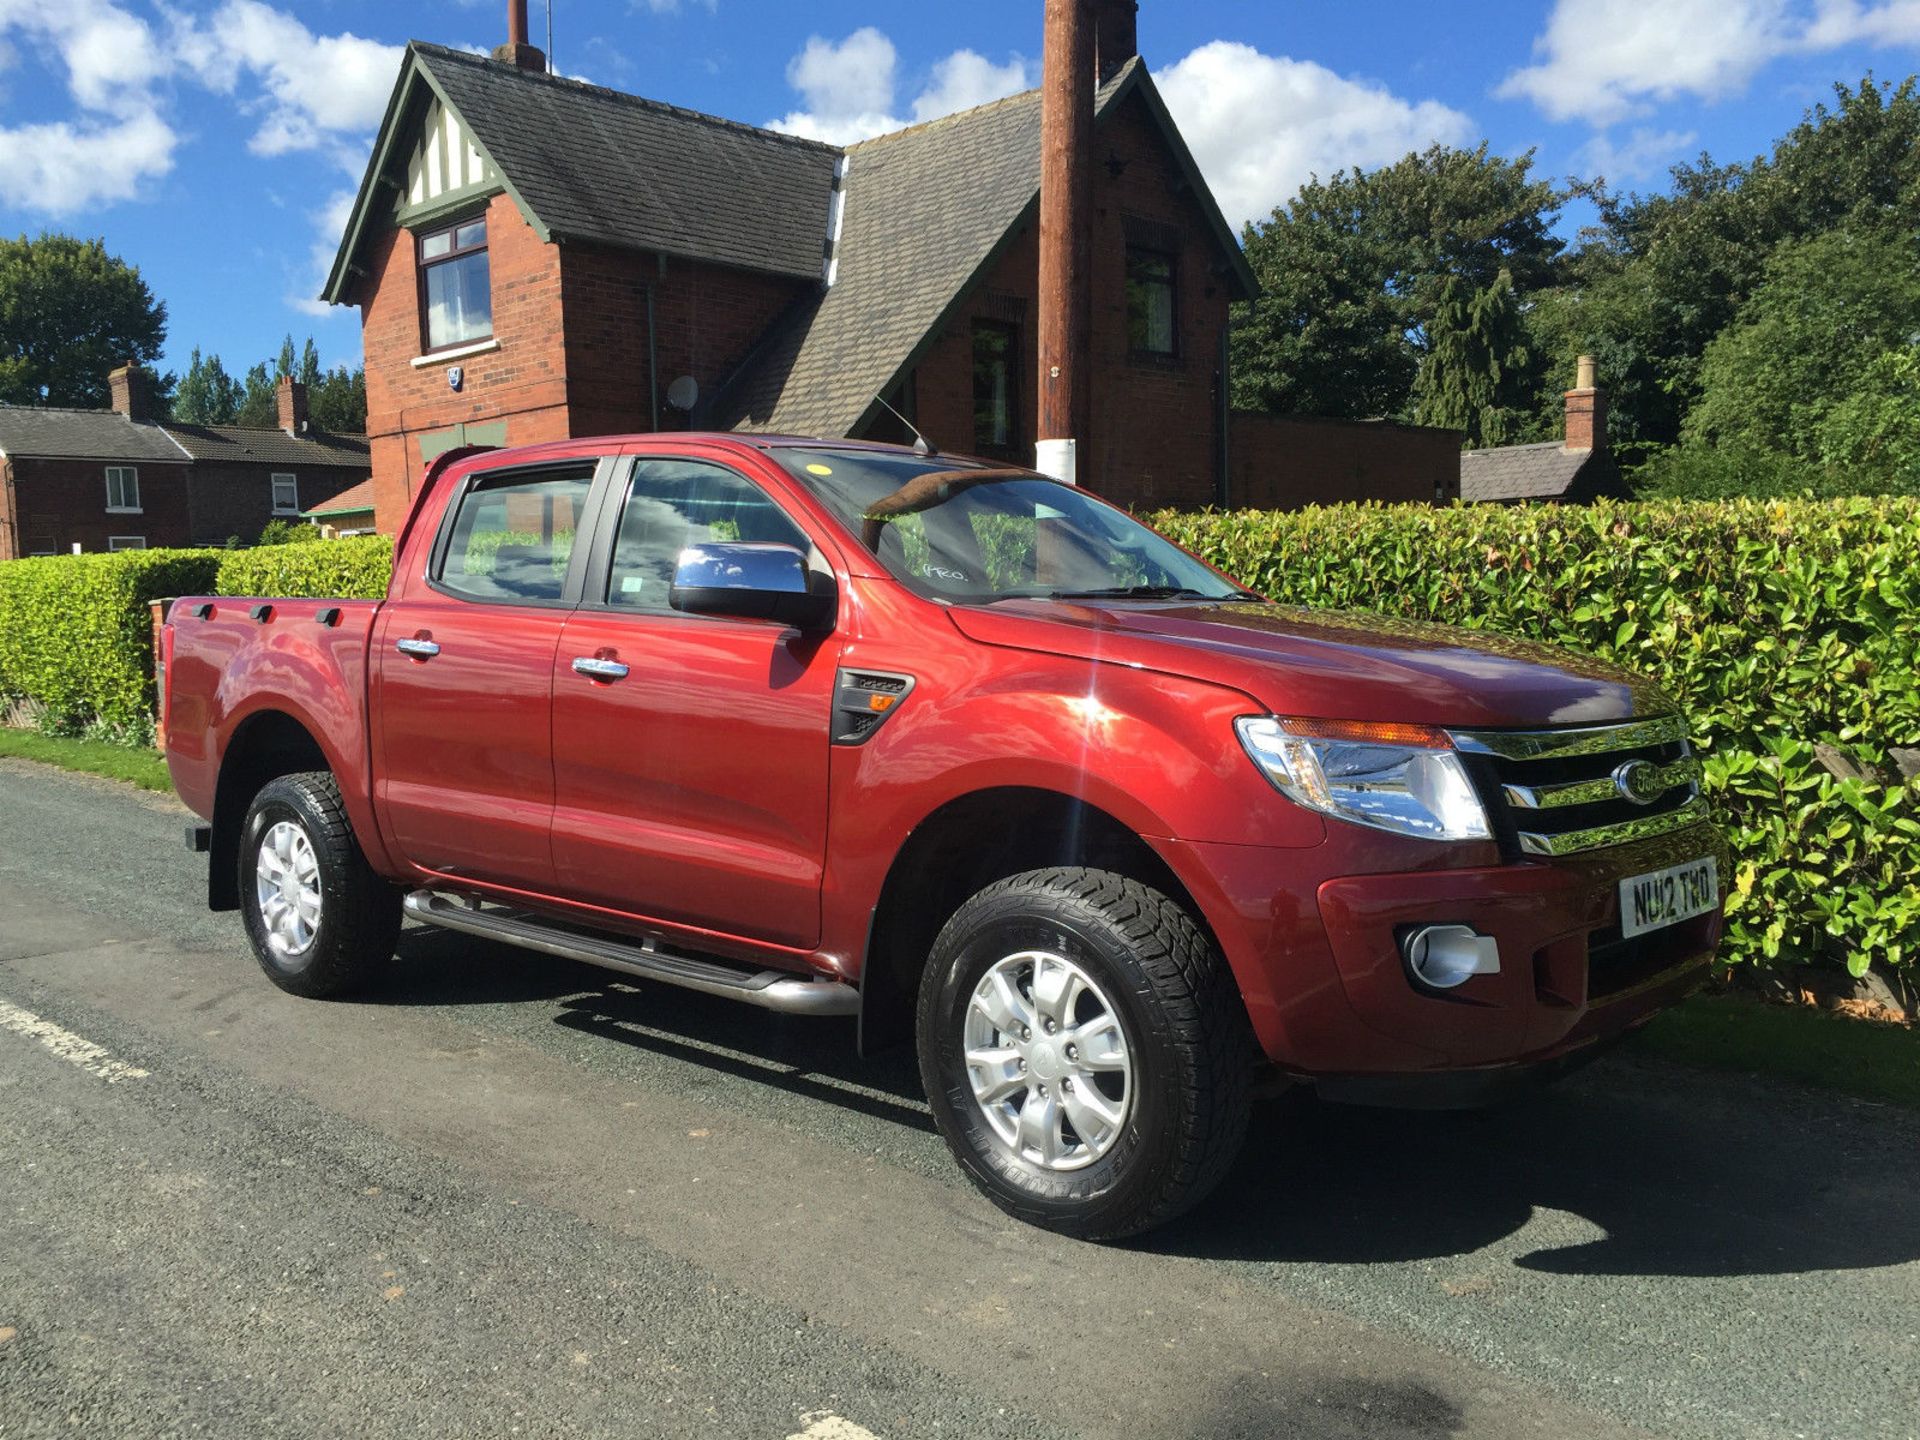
{"x": 1148, "y": 592}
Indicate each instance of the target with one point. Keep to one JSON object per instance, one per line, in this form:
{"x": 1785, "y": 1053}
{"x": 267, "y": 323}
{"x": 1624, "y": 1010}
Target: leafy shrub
{"x": 288, "y": 532}
{"x": 76, "y": 634}
{"x": 352, "y": 569}
{"x": 1775, "y": 624}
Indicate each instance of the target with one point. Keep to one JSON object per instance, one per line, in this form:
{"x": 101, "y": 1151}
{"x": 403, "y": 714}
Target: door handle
{"x": 597, "y": 669}
{"x": 418, "y": 649}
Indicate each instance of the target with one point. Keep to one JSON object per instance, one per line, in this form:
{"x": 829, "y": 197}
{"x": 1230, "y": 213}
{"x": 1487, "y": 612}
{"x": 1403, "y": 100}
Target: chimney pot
{"x": 1586, "y": 410}
{"x": 132, "y": 391}
{"x": 517, "y": 51}
{"x": 290, "y": 397}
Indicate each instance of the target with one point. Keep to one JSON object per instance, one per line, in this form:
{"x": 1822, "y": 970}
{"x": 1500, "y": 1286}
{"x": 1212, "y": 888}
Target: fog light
{"x": 1443, "y": 956}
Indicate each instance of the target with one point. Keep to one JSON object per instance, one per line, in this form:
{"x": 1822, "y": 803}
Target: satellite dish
{"x": 682, "y": 393}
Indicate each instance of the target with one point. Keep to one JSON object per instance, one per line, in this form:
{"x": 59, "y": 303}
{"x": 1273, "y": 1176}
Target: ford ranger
{"x": 841, "y": 729}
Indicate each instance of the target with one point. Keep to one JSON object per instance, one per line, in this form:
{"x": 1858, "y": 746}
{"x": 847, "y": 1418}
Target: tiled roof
{"x": 54, "y": 434}
{"x": 599, "y": 165}
{"x": 351, "y": 501}
{"x": 238, "y": 445}
{"x": 1521, "y": 472}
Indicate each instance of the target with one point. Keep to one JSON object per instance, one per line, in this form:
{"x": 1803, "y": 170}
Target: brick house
{"x": 123, "y": 479}
{"x": 1575, "y": 470}
{"x": 536, "y": 258}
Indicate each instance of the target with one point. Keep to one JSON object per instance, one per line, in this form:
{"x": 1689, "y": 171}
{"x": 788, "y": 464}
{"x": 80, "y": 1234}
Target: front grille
{"x": 1558, "y": 792}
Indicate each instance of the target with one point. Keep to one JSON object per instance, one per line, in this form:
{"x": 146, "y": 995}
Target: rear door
{"x": 691, "y": 770}
{"x": 464, "y": 664}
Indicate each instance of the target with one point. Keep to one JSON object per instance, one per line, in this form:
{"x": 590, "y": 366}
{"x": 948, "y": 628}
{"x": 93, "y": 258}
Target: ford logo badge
{"x": 1638, "y": 781}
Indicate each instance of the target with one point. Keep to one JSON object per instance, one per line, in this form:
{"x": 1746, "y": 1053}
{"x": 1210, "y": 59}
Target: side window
{"x": 513, "y": 537}
{"x": 676, "y": 503}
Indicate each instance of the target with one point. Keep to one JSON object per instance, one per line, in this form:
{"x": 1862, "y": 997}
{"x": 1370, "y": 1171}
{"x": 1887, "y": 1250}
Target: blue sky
{"x": 216, "y": 143}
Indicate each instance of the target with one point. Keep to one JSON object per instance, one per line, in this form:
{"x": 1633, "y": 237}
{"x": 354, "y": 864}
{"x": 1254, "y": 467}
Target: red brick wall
{"x": 1282, "y": 462}
{"x": 523, "y": 382}
{"x": 226, "y": 500}
{"x": 706, "y": 319}
{"x": 72, "y": 496}
{"x": 1155, "y": 431}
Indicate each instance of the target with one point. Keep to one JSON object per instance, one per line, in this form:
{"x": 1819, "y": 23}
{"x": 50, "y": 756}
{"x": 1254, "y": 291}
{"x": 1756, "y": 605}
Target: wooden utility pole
{"x": 1066, "y": 236}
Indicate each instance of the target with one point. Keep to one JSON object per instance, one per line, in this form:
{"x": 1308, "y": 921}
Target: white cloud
{"x": 966, "y": 79}
{"x": 63, "y": 168}
{"x": 330, "y": 223}
{"x": 313, "y": 89}
{"x": 670, "y": 7}
{"x": 848, "y": 87}
{"x": 1604, "y": 61}
{"x": 1645, "y": 154}
{"x": 1261, "y": 125}
{"x": 120, "y": 141}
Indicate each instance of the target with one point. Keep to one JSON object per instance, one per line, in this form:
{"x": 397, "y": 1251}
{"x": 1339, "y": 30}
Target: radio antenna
{"x": 550, "y": 67}
{"x": 921, "y": 445}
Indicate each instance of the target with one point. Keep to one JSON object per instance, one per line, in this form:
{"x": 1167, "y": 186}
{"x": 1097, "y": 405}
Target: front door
{"x": 463, "y": 667}
{"x": 691, "y": 785}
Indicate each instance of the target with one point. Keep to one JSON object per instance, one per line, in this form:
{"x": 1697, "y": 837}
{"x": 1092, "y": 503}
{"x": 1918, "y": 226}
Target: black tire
{"x": 359, "y": 913}
{"x": 1186, "y": 1033}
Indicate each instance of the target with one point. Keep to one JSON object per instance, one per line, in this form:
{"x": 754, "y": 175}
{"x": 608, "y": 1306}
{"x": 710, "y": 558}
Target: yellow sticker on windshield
{"x": 819, "y": 469}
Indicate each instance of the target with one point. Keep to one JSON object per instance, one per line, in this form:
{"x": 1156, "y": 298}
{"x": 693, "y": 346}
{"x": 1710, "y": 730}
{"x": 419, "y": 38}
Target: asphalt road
{"x": 513, "y": 1196}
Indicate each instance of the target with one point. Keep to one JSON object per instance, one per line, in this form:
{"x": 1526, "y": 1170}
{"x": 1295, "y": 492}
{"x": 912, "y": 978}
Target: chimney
{"x": 291, "y": 398}
{"x": 517, "y": 51}
{"x": 132, "y": 391}
{"x": 1116, "y": 35}
{"x": 1066, "y": 236}
{"x": 1586, "y": 411}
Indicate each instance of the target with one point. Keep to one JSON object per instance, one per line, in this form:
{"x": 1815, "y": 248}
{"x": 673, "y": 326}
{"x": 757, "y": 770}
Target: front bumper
{"x": 1318, "y": 959}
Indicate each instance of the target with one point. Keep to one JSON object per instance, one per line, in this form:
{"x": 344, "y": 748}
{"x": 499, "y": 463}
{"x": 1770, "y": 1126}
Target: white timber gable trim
{"x": 445, "y": 167}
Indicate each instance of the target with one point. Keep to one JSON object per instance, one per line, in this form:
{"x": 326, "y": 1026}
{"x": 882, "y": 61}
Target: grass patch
{"x": 1874, "y": 1061}
{"x": 140, "y": 767}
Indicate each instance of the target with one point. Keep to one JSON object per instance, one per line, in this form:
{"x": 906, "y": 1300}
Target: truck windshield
{"x": 970, "y": 534}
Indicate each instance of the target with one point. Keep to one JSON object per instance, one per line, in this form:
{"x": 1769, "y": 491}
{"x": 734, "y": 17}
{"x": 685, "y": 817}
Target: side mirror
{"x": 751, "y": 581}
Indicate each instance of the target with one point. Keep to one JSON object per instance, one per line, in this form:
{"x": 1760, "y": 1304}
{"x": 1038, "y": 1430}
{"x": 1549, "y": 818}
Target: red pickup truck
{"x": 846, "y": 729}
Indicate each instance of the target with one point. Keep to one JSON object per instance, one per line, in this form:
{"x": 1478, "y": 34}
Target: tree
{"x": 1479, "y": 375}
{"x": 1824, "y": 313}
{"x": 69, "y": 314}
{"x": 208, "y": 395}
{"x": 339, "y": 401}
{"x": 259, "y": 405}
{"x": 308, "y": 370}
{"x": 1873, "y": 432}
{"x": 1352, "y": 271}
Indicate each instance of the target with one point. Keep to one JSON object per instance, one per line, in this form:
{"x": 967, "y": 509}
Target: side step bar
{"x": 769, "y": 989}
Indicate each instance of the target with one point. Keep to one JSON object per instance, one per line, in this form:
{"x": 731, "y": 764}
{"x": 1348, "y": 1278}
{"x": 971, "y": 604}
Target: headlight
{"x": 1403, "y": 778}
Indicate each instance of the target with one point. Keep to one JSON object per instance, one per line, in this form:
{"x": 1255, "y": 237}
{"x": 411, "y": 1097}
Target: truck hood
{"x": 1329, "y": 664}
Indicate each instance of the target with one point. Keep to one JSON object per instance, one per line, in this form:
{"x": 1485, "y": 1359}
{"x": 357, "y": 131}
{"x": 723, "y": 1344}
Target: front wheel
{"x": 321, "y": 921}
{"x": 1085, "y": 1052}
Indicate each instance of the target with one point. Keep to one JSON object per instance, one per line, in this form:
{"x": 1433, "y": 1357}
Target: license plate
{"x": 1666, "y": 897}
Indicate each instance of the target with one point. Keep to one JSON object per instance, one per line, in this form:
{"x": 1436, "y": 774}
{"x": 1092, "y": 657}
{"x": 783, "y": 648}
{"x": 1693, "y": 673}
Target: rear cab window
{"x": 509, "y": 538}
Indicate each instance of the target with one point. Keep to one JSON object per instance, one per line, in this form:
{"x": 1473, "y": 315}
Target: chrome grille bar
{"x": 1684, "y": 771}
{"x": 1641, "y": 827}
{"x": 1553, "y": 744}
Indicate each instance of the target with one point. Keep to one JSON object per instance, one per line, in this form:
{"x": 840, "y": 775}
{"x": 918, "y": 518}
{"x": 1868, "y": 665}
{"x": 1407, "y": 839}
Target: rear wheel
{"x": 321, "y": 921}
{"x": 1085, "y": 1052}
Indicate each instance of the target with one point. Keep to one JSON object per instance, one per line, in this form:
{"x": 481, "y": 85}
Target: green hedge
{"x": 76, "y": 635}
{"x": 1776, "y": 624}
{"x": 352, "y": 569}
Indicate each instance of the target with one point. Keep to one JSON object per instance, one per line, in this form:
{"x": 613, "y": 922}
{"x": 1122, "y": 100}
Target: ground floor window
{"x": 1150, "y": 302}
{"x": 126, "y": 542}
{"x": 996, "y": 387}
{"x": 286, "y": 494}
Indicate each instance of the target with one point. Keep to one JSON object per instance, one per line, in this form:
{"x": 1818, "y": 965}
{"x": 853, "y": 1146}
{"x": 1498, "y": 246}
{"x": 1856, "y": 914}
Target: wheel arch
{"x": 265, "y": 745}
{"x": 961, "y": 847}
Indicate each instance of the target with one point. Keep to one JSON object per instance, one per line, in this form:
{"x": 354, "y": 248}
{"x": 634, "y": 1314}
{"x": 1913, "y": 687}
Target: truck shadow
{"x": 1654, "y": 1169}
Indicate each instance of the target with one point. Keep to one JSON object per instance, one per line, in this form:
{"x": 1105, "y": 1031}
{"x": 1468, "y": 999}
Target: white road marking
{"x": 825, "y": 1425}
{"x": 68, "y": 1046}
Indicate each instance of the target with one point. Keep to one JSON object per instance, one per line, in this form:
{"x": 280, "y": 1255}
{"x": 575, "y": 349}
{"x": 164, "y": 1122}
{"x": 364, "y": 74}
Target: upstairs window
{"x": 456, "y": 288}
{"x": 1150, "y": 302}
{"x": 123, "y": 489}
{"x": 286, "y": 494}
{"x": 996, "y": 387}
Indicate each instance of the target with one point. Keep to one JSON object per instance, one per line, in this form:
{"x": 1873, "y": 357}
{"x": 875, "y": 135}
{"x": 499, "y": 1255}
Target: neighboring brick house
{"x": 1573, "y": 471}
{"x": 536, "y": 258}
{"x": 121, "y": 479}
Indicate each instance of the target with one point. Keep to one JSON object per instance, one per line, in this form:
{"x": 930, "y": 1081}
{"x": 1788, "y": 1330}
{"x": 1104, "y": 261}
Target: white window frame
{"x": 131, "y": 476}
{"x": 292, "y": 508}
{"x": 126, "y": 542}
